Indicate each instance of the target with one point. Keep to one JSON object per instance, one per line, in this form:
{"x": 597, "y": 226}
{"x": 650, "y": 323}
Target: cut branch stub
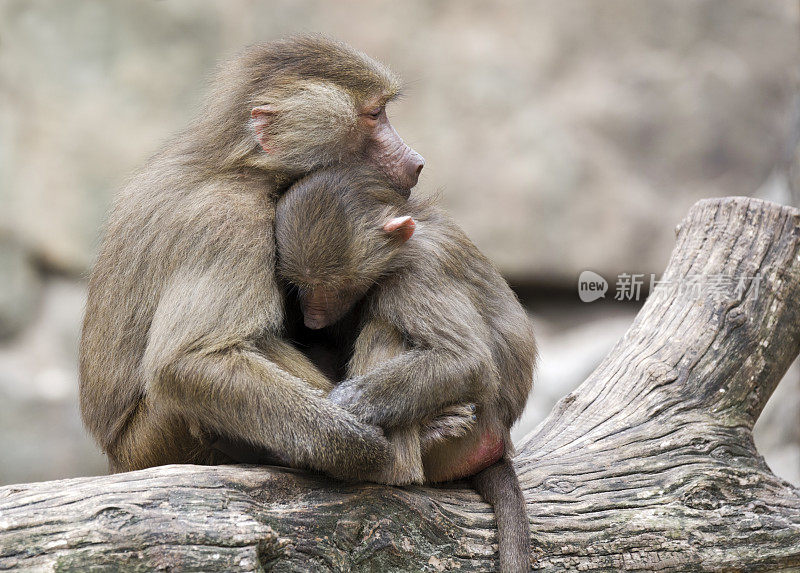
{"x": 649, "y": 465}
{"x": 656, "y": 445}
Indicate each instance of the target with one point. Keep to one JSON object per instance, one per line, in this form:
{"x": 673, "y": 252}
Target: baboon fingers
{"x": 452, "y": 422}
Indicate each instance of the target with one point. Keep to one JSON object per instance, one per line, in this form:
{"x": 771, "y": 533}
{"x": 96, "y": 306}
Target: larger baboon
{"x": 183, "y": 334}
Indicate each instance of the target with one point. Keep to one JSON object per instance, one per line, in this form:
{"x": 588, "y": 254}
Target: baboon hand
{"x": 368, "y": 405}
{"x": 348, "y": 395}
{"x": 373, "y": 404}
{"x": 452, "y": 422}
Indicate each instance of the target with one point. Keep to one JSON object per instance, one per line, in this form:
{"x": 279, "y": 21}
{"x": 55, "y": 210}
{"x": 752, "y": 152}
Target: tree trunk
{"x": 649, "y": 465}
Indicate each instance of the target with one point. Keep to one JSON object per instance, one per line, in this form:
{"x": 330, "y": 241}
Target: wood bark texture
{"x": 648, "y": 466}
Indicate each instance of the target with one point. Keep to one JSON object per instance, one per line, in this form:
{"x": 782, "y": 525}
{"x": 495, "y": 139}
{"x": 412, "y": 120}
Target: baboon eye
{"x": 375, "y": 113}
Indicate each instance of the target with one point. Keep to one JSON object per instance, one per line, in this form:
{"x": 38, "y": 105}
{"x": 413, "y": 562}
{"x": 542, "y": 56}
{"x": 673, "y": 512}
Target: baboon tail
{"x": 498, "y": 485}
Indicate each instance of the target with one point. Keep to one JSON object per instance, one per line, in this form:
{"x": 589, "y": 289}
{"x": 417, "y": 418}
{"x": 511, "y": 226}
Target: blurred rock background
{"x": 564, "y": 136}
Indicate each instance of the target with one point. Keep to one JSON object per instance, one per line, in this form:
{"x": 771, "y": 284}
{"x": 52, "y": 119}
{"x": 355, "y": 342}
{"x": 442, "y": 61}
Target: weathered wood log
{"x": 649, "y": 465}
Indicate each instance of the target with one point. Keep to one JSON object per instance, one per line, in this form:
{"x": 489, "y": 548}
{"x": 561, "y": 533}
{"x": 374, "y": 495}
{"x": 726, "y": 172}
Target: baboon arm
{"x": 288, "y": 358}
{"x": 202, "y": 363}
{"x": 240, "y": 395}
{"x": 413, "y": 385}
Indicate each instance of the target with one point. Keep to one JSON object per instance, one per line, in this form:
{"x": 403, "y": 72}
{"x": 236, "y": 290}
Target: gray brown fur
{"x": 183, "y": 336}
{"x": 438, "y": 326}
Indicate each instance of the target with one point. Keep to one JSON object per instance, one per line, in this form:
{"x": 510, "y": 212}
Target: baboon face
{"x": 338, "y": 232}
{"x": 387, "y": 151}
{"x": 336, "y": 273}
{"x": 323, "y": 104}
{"x": 322, "y": 124}
{"x": 324, "y": 305}
{"x": 332, "y": 294}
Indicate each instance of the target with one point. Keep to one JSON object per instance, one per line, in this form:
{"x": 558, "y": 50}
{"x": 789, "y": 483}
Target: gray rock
{"x": 777, "y": 432}
{"x": 19, "y": 287}
{"x": 41, "y": 436}
{"x": 565, "y": 135}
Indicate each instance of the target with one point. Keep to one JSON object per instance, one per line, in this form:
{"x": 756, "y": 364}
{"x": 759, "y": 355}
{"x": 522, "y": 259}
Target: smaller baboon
{"x": 433, "y": 325}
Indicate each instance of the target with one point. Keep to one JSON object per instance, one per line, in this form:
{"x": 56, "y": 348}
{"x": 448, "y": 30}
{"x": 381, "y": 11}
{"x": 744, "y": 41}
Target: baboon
{"x": 433, "y": 324}
{"x": 183, "y": 337}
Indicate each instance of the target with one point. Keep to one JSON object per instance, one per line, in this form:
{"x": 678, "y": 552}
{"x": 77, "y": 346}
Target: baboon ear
{"x": 402, "y": 226}
{"x": 262, "y": 116}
